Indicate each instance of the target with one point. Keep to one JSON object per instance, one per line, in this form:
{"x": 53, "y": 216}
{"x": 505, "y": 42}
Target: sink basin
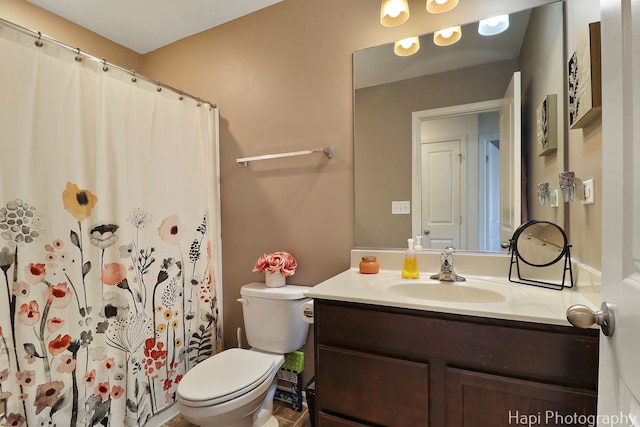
{"x": 446, "y": 292}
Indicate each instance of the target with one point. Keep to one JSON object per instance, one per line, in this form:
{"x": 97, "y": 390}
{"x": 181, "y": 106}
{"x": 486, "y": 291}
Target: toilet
{"x": 235, "y": 388}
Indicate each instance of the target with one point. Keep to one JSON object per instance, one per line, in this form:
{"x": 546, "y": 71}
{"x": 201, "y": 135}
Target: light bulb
{"x": 494, "y": 25}
{"x": 441, "y": 1}
{"x": 406, "y": 47}
{"x": 406, "y": 43}
{"x": 447, "y": 32}
{"x": 394, "y": 12}
{"x": 393, "y": 9}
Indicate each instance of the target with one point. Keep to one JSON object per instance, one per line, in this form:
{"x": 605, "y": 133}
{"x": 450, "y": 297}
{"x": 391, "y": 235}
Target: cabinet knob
{"x": 427, "y": 232}
{"x": 583, "y": 317}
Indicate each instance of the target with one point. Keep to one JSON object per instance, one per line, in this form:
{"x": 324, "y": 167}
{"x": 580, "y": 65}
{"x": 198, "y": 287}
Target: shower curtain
{"x": 108, "y": 238}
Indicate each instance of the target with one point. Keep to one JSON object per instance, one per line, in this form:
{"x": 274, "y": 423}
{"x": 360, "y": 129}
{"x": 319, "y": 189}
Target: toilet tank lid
{"x": 260, "y": 290}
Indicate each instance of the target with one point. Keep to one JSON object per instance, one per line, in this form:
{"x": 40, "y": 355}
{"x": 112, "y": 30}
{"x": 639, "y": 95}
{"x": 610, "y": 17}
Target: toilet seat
{"x": 225, "y": 376}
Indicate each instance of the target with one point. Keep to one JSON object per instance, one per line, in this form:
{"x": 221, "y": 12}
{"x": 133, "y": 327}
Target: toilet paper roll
{"x": 306, "y": 311}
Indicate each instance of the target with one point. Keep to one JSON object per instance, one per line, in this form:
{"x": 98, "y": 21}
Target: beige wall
{"x": 543, "y": 66}
{"x": 282, "y": 78}
{"x": 584, "y": 153}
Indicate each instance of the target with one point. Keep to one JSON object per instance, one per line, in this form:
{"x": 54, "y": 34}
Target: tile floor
{"x": 286, "y": 416}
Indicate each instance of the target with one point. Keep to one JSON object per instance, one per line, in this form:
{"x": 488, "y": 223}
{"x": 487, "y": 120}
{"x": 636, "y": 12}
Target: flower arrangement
{"x": 280, "y": 261}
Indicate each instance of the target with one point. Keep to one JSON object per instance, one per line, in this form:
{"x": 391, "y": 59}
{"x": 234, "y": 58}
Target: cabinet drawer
{"x": 373, "y": 389}
{"x": 327, "y": 420}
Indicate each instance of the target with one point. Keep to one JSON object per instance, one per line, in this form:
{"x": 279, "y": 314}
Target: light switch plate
{"x": 589, "y": 192}
{"x": 401, "y": 208}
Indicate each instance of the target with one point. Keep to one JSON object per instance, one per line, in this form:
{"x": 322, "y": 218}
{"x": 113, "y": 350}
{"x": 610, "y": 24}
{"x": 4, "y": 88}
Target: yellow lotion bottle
{"x": 410, "y": 268}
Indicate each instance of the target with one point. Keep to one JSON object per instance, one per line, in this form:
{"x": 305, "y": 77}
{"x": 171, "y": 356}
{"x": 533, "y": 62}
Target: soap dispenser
{"x": 410, "y": 268}
{"x": 418, "y": 245}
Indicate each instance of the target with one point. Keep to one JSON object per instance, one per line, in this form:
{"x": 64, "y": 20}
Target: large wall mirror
{"x": 401, "y": 103}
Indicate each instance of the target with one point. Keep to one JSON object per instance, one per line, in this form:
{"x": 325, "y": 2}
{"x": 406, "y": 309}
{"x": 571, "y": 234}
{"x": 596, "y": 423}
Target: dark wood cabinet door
{"x": 373, "y": 389}
{"x": 476, "y": 399}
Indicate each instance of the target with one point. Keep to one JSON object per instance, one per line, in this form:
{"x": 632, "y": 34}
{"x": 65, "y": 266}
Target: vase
{"x": 275, "y": 280}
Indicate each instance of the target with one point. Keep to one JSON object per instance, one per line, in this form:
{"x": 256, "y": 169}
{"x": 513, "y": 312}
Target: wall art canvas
{"x": 547, "y": 125}
{"x": 584, "y": 79}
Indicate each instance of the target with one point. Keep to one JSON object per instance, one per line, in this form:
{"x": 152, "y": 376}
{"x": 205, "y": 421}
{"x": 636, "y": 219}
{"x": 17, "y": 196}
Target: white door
{"x": 510, "y": 161}
{"x": 619, "y": 383}
{"x": 441, "y": 194}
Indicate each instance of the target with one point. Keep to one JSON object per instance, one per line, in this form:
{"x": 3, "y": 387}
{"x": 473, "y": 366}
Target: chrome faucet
{"x": 446, "y": 267}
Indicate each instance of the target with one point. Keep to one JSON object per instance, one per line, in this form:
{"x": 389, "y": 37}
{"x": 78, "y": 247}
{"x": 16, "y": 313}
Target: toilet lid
{"x": 225, "y": 376}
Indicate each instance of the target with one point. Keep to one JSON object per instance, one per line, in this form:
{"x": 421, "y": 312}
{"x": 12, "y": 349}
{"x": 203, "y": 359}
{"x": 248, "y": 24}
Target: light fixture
{"x": 394, "y": 12}
{"x": 441, "y": 6}
{"x": 567, "y": 185}
{"x": 448, "y": 36}
{"x": 493, "y": 26}
{"x": 406, "y": 47}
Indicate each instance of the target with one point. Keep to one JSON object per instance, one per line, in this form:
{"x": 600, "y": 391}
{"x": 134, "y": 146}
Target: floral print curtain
{"x": 109, "y": 231}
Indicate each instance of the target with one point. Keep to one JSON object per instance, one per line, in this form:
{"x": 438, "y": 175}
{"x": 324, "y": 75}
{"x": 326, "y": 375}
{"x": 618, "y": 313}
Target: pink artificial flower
{"x": 280, "y": 261}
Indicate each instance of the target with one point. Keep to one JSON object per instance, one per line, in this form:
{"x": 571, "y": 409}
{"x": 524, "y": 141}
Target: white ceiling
{"x": 146, "y": 25}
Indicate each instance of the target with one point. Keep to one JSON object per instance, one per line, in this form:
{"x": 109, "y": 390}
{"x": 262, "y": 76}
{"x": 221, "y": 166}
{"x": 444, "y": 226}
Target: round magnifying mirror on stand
{"x": 540, "y": 244}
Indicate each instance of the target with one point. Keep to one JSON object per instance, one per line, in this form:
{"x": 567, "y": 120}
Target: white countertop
{"x": 521, "y": 302}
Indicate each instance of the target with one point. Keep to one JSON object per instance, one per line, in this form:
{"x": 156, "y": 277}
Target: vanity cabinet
{"x": 380, "y": 366}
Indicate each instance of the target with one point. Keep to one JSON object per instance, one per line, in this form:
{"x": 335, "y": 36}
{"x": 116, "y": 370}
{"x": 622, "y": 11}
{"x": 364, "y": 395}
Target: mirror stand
{"x": 540, "y": 244}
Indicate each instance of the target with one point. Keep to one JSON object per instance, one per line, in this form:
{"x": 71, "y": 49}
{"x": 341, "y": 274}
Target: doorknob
{"x": 426, "y": 232}
{"x": 583, "y": 317}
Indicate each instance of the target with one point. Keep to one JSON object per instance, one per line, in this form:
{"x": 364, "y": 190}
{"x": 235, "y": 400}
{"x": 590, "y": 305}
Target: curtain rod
{"x": 39, "y": 36}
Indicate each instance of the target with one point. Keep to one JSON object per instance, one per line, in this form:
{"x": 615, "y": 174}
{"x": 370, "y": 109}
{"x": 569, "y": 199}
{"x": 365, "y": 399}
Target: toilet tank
{"x": 272, "y": 317}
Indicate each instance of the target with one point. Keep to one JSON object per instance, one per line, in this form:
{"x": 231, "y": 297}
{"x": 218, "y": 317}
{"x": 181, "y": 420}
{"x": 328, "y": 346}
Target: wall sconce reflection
{"x": 567, "y": 185}
{"x": 543, "y": 193}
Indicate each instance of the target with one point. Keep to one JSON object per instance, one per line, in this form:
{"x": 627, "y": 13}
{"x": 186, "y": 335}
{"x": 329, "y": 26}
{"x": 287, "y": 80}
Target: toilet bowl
{"x": 235, "y": 388}
{"x": 228, "y": 389}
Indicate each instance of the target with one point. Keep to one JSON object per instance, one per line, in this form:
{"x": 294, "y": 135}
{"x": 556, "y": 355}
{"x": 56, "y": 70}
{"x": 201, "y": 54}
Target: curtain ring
{"x": 39, "y": 41}
{"x": 181, "y": 97}
{"x": 78, "y": 57}
{"x": 199, "y": 102}
{"x": 133, "y": 76}
{"x": 104, "y": 65}
{"x": 159, "y": 88}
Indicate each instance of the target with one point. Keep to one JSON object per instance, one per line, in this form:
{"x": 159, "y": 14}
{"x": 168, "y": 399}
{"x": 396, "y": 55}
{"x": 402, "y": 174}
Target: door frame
{"x": 417, "y": 117}
{"x": 484, "y": 140}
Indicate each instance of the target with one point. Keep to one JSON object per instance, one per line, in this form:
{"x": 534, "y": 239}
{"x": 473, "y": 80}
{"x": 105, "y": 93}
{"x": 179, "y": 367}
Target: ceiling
{"x": 146, "y": 25}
